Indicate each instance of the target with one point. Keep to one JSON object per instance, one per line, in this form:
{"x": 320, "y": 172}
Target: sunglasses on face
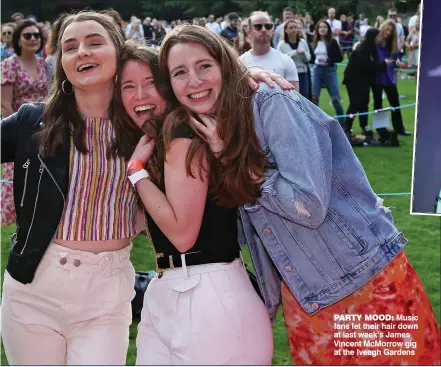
{"x": 392, "y": 15}
{"x": 28, "y": 36}
{"x": 258, "y": 27}
{"x": 7, "y": 33}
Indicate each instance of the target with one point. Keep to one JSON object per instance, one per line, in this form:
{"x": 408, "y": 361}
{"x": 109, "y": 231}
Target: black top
{"x": 217, "y": 239}
{"x": 149, "y": 31}
{"x": 362, "y": 67}
{"x": 294, "y": 45}
{"x": 334, "y": 53}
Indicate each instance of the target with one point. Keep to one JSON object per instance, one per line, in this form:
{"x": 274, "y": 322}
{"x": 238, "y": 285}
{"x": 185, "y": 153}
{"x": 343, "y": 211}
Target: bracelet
{"x": 137, "y": 176}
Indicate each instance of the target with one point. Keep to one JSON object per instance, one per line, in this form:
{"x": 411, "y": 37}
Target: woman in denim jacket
{"x": 321, "y": 240}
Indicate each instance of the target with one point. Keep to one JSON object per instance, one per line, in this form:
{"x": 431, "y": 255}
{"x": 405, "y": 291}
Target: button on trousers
{"x": 77, "y": 310}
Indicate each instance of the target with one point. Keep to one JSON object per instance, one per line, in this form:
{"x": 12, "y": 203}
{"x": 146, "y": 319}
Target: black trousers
{"x": 394, "y": 100}
{"x": 358, "y": 93}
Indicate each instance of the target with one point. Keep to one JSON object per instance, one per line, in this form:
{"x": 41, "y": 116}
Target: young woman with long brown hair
{"x": 321, "y": 240}
{"x": 69, "y": 281}
{"x": 202, "y": 307}
{"x": 327, "y": 54}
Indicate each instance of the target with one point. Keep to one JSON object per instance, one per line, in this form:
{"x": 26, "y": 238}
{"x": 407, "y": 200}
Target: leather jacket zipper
{"x": 55, "y": 182}
{"x": 26, "y": 167}
{"x": 53, "y": 179}
{"x": 41, "y": 170}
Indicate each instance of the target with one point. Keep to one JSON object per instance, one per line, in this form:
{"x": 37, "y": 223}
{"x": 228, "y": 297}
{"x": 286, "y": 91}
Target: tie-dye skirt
{"x": 397, "y": 291}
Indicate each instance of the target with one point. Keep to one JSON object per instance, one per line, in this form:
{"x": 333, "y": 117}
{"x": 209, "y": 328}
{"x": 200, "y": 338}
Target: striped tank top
{"x": 101, "y": 203}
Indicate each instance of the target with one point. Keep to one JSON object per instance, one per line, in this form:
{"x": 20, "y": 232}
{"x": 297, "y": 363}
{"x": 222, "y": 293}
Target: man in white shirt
{"x": 334, "y": 23}
{"x": 414, "y": 19}
{"x": 261, "y": 30}
{"x": 212, "y": 25}
{"x": 224, "y": 23}
{"x": 288, "y": 13}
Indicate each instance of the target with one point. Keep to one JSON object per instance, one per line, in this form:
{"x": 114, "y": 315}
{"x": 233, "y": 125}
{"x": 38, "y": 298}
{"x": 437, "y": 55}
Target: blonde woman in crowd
{"x": 242, "y": 42}
{"x": 293, "y": 44}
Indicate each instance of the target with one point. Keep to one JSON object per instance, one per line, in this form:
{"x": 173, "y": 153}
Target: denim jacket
{"x": 318, "y": 225}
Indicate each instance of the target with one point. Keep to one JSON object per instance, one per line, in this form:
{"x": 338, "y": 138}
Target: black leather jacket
{"x": 40, "y": 189}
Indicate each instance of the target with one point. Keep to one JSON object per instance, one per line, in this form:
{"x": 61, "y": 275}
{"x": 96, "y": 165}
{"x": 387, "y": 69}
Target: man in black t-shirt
{"x": 149, "y": 31}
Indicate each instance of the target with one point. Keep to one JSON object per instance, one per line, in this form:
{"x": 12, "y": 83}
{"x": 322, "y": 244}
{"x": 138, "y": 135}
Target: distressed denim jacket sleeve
{"x": 300, "y": 146}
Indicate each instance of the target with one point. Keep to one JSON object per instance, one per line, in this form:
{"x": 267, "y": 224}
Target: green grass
{"x": 389, "y": 170}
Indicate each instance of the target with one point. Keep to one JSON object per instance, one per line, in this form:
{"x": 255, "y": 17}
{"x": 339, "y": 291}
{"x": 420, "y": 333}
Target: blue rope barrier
{"x": 396, "y": 194}
{"x": 396, "y": 69}
{"x": 376, "y": 111}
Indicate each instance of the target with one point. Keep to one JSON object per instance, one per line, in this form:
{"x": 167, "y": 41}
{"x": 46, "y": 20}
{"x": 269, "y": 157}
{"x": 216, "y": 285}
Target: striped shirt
{"x": 101, "y": 204}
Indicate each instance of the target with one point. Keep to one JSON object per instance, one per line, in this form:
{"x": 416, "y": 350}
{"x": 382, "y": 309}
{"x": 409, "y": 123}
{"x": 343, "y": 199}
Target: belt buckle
{"x": 159, "y": 270}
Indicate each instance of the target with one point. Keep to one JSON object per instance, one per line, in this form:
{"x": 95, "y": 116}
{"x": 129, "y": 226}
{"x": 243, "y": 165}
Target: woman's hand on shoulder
{"x": 257, "y": 74}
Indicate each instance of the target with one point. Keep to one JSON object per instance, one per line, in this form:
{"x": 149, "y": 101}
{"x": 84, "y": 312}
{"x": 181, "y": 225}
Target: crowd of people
{"x": 180, "y": 128}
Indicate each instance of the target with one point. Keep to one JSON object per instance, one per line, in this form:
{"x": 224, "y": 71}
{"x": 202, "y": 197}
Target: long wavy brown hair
{"x": 237, "y": 179}
{"x": 329, "y": 36}
{"x": 61, "y": 113}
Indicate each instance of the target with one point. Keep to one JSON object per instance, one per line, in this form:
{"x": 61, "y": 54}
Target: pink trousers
{"x": 204, "y": 315}
{"x": 77, "y": 310}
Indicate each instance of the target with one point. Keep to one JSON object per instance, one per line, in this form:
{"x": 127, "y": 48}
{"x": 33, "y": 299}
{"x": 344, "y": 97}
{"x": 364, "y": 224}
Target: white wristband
{"x": 139, "y": 175}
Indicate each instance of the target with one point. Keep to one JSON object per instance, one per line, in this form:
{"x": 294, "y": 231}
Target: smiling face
{"x": 139, "y": 94}
{"x": 30, "y": 39}
{"x": 195, "y": 77}
{"x": 88, "y": 55}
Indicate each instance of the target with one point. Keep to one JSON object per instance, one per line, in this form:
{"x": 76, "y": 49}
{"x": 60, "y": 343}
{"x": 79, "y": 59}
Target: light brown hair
{"x": 153, "y": 127}
{"x": 328, "y": 37}
{"x": 284, "y": 36}
{"x": 61, "y": 113}
{"x": 236, "y": 181}
{"x": 392, "y": 42}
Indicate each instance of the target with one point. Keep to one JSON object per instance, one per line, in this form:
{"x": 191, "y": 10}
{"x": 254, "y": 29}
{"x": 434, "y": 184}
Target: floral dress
{"x": 25, "y": 89}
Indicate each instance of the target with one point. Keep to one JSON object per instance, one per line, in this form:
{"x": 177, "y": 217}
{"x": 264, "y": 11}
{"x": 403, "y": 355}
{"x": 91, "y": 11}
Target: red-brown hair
{"x": 237, "y": 180}
{"x": 328, "y": 37}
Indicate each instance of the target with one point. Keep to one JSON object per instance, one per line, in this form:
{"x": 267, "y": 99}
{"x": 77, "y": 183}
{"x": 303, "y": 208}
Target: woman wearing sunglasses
{"x": 23, "y": 79}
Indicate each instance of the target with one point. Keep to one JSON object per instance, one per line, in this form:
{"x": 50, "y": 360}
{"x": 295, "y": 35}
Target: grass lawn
{"x": 389, "y": 170}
